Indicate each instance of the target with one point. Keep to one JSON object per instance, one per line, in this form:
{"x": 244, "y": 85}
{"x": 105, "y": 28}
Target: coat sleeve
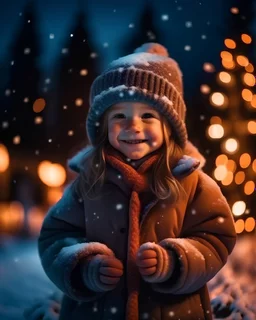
{"x": 62, "y": 246}
{"x": 208, "y": 236}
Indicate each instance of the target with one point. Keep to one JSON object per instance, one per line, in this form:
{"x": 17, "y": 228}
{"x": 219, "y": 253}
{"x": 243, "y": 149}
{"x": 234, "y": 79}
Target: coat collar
{"x": 186, "y": 165}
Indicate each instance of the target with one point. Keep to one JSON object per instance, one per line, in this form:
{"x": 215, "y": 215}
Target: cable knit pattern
{"x": 138, "y": 182}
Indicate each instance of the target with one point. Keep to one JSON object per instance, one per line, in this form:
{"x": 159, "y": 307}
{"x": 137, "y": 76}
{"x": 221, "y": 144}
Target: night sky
{"x": 192, "y": 30}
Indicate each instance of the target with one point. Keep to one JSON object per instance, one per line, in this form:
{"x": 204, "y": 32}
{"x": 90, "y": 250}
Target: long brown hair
{"x": 162, "y": 182}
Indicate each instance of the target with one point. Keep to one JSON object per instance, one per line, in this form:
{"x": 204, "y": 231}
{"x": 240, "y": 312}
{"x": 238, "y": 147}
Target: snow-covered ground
{"x": 23, "y": 281}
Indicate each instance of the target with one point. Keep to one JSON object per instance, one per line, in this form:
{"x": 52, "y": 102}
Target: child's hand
{"x": 155, "y": 263}
{"x": 146, "y": 261}
{"x": 102, "y": 273}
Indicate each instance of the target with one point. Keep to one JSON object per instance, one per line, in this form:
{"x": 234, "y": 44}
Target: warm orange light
{"x": 249, "y": 68}
{"x": 228, "y": 64}
{"x": 225, "y": 77}
{"x": 247, "y": 95}
{"x": 222, "y": 159}
{"x": 245, "y": 160}
{"x": 249, "y": 224}
{"x": 231, "y": 165}
{"x": 38, "y": 120}
{"x": 215, "y": 131}
{"x": 249, "y": 187}
{"x": 251, "y": 126}
{"x": 238, "y": 208}
{"x": 83, "y": 72}
{"x": 229, "y": 43}
{"x": 220, "y": 172}
{"x": 239, "y": 177}
{"x": 234, "y": 10}
{"x": 253, "y": 102}
{"x": 79, "y": 102}
{"x": 228, "y": 179}
{"x": 246, "y": 38}
{"x": 204, "y": 88}
{"x": 218, "y": 99}
{"x": 16, "y": 140}
{"x": 39, "y": 105}
{"x": 35, "y": 220}
{"x": 51, "y": 174}
{"x": 239, "y": 226}
{"x": 4, "y": 158}
{"x": 54, "y": 195}
{"x": 254, "y": 165}
{"x": 11, "y": 217}
{"x": 215, "y": 120}
{"x": 227, "y": 56}
{"x": 249, "y": 79}
{"x": 242, "y": 60}
{"x": 208, "y": 67}
{"x": 231, "y": 145}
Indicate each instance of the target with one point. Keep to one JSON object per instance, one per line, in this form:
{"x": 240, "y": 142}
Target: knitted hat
{"x": 148, "y": 75}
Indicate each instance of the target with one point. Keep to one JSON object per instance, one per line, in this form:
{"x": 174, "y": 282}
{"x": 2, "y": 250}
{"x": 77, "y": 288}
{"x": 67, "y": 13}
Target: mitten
{"x": 101, "y": 272}
{"x": 155, "y": 263}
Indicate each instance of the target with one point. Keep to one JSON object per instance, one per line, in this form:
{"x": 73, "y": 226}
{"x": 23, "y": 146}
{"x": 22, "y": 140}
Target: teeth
{"x": 134, "y": 141}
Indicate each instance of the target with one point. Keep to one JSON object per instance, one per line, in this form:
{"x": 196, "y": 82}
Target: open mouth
{"x": 134, "y": 141}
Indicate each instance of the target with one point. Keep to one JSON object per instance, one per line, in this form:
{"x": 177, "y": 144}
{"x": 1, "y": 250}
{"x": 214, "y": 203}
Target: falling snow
{"x": 165, "y": 17}
{"x": 119, "y": 206}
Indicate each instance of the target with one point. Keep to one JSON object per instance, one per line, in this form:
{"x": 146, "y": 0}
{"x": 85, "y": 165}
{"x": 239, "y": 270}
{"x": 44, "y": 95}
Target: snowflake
{"x": 26, "y": 100}
{"x": 64, "y": 50}
{"x": 94, "y": 213}
{"x": 165, "y": 17}
{"x": 119, "y": 206}
{"x": 119, "y": 176}
{"x": 7, "y": 92}
{"x": 95, "y": 309}
{"x": 105, "y": 44}
{"x": 188, "y": 24}
{"x": 65, "y": 107}
{"x": 37, "y": 152}
{"x": 12, "y": 63}
{"x": 16, "y": 260}
{"x": 187, "y": 48}
{"x": 202, "y": 117}
{"x": 113, "y": 310}
{"x": 131, "y": 25}
{"x": 49, "y": 140}
{"x": 131, "y": 92}
{"x": 203, "y": 36}
{"x": 71, "y": 35}
{"x": 145, "y": 315}
{"x": 221, "y": 219}
{"x": 48, "y": 80}
{"x": 97, "y": 124}
{"x": 193, "y": 211}
{"x": 51, "y": 36}
{"x": 5, "y": 124}
{"x": 171, "y": 314}
{"x": 27, "y": 51}
{"x": 121, "y": 94}
{"x": 93, "y": 55}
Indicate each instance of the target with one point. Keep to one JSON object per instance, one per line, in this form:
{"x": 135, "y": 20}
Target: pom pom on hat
{"x": 154, "y": 48}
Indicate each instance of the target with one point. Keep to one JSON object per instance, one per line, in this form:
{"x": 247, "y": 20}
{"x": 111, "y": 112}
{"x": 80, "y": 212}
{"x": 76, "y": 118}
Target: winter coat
{"x": 200, "y": 229}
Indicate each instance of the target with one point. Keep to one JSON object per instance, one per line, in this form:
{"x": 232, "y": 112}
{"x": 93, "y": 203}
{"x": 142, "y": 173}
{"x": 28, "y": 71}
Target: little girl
{"x": 142, "y": 229}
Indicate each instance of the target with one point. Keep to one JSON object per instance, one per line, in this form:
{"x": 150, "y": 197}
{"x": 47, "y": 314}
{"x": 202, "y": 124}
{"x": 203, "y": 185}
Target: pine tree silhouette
{"x": 22, "y": 88}
{"x": 77, "y": 71}
{"x": 232, "y": 126}
{"x": 145, "y": 31}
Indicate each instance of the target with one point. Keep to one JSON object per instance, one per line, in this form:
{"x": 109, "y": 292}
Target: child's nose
{"x": 133, "y": 124}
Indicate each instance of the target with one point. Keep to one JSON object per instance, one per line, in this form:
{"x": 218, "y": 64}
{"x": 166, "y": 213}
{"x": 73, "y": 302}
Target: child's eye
{"x": 148, "y": 115}
{"x": 119, "y": 115}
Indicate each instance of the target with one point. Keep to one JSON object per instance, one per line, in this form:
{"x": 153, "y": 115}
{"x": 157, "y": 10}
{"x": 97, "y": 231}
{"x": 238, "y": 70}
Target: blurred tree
{"x": 77, "y": 70}
{"x": 231, "y": 126}
{"x": 143, "y": 31}
{"x": 22, "y": 121}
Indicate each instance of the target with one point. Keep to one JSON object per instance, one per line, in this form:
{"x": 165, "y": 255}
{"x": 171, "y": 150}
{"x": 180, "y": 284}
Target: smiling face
{"x": 135, "y": 129}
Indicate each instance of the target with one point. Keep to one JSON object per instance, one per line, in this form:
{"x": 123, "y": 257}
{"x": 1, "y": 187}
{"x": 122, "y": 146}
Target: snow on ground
{"x": 23, "y": 280}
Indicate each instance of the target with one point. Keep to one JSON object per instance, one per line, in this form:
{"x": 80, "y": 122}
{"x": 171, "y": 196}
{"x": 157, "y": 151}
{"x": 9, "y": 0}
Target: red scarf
{"x": 138, "y": 181}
